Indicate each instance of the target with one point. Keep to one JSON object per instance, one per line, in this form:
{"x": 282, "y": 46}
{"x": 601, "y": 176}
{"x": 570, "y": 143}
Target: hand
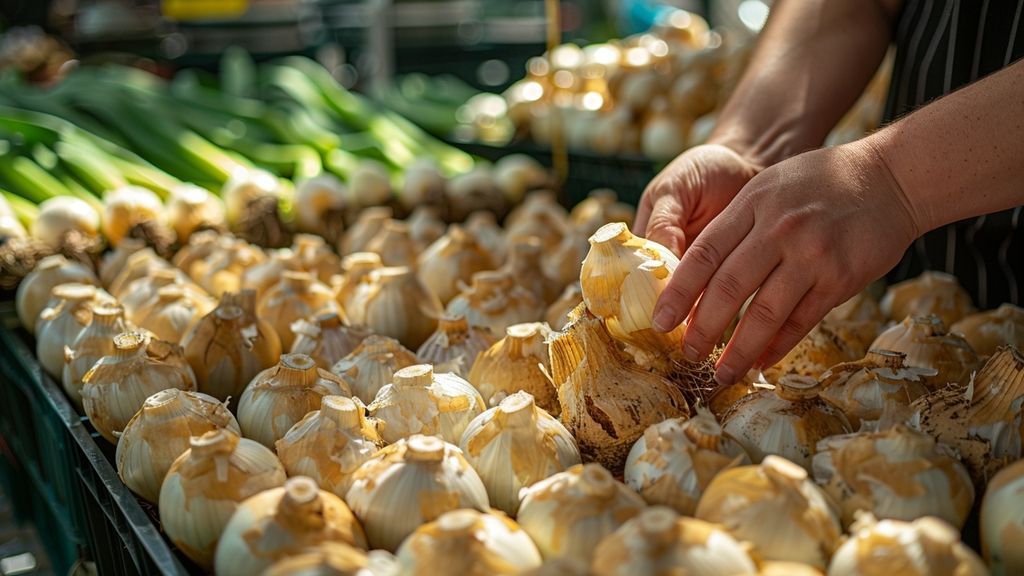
{"x": 805, "y": 234}
{"x": 689, "y": 193}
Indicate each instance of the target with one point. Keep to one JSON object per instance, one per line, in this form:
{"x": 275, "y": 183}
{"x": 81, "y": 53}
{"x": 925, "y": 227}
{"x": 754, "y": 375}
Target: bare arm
{"x": 811, "y": 63}
{"x": 813, "y": 60}
{"x": 962, "y": 155}
{"x": 813, "y": 230}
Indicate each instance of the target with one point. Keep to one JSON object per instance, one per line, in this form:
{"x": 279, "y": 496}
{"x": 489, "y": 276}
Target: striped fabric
{"x": 942, "y": 45}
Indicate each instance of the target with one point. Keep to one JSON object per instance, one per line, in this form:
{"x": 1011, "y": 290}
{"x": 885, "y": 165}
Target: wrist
{"x": 874, "y": 156}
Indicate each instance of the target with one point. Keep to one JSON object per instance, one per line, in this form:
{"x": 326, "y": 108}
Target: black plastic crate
{"x": 81, "y": 508}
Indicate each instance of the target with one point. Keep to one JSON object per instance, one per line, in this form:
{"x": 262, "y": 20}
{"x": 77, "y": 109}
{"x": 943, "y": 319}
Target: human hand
{"x": 685, "y": 196}
{"x": 805, "y": 234}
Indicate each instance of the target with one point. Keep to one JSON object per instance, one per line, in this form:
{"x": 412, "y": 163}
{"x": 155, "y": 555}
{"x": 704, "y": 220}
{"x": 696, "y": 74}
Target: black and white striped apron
{"x": 942, "y": 45}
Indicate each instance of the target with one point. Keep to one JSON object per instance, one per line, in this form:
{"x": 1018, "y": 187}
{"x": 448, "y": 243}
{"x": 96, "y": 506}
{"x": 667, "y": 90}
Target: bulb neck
{"x": 418, "y": 376}
{"x": 342, "y": 411}
{"x": 298, "y": 370}
{"x": 392, "y": 275}
{"x": 213, "y": 444}
{"x": 329, "y": 320}
{"x": 597, "y": 482}
{"x": 229, "y": 313}
{"x": 525, "y": 256}
{"x": 164, "y": 401}
{"x": 658, "y": 525}
{"x": 795, "y": 388}
{"x": 885, "y": 359}
{"x": 107, "y": 316}
{"x": 360, "y": 263}
{"x": 308, "y": 243}
{"x": 169, "y": 294}
{"x": 458, "y": 523}
{"x": 453, "y": 326}
{"x": 610, "y": 236}
{"x": 703, "y": 430}
{"x": 298, "y": 282}
{"x": 243, "y": 299}
{"x": 301, "y": 508}
{"x": 74, "y": 292}
{"x": 522, "y": 339}
{"x": 128, "y": 344}
{"x": 487, "y": 284}
{"x": 54, "y": 262}
{"x": 518, "y": 410}
{"x": 424, "y": 449}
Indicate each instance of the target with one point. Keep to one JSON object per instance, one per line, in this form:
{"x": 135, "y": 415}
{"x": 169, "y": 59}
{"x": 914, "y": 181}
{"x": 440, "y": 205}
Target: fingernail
{"x": 724, "y": 376}
{"x": 690, "y": 353}
{"x": 664, "y": 319}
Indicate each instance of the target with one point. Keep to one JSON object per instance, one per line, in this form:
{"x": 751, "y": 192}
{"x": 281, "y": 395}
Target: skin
{"x": 761, "y": 211}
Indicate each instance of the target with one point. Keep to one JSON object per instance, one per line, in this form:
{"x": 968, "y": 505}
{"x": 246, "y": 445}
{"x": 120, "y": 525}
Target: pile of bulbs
{"x": 494, "y": 400}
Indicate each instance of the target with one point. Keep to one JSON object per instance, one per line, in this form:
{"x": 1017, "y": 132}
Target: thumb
{"x": 665, "y": 224}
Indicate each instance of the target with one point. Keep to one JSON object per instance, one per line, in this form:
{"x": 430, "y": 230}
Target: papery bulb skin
{"x": 899, "y": 473}
{"x": 426, "y": 226}
{"x": 483, "y": 225}
{"x": 560, "y": 567}
{"x": 325, "y": 339}
{"x": 540, "y": 216}
{"x": 191, "y": 208}
{"x": 568, "y": 514}
{"x": 329, "y": 444}
{"x": 410, "y": 483}
{"x": 396, "y": 304}
{"x": 263, "y": 276}
{"x": 282, "y": 395}
{"x": 741, "y": 498}
{"x": 925, "y": 546}
{"x": 563, "y": 264}
{"x": 519, "y": 361}
{"x": 420, "y": 401}
{"x": 1002, "y": 521}
{"x": 34, "y": 290}
{"x": 64, "y": 318}
{"x": 355, "y": 269}
{"x": 452, "y": 260}
{"x": 206, "y": 484}
{"x": 866, "y": 388}
{"x": 141, "y": 294}
{"x": 468, "y": 542}
{"x": 115, "y": 260}
{"x": 930, "y": 293}
{"x": 675, "y": 460}
{"x": 495, "y": 301}
{"x": 93, "y": 343}
{"x": 557, "y": 315}
{"x": 455, "y": 345}
{"x": 222, "y": 270}
{"x": 363, "y": 230}
{"x": 126, "y": 207}
{"x": 117, "y": 386}
{"x": 372, "y": 365}
{"x": 788, "y": 421}
{"x": 927, "y": 345}
{"x": 514, "y": 445}
{"x": 600, "y": 207}
{"x": 160, "y": 432}
{"x": 394, "y": 243}
{"x": 281, "y": 522}
{"x": 517, "y": 174}
{"x": 525, "y": 264}
{"x": 297, "y": 296}
{"x": 313, "y": 255}
{"x": 228, "y": 347}
{"x": 200, "y": 245}
{"x": 174, "y": 312}
{"x": 659, "y": 541}
{"x": 138, "y": 266}
{"x": 607, "y": 402}
{"x": 821, "y": 349}
{"x": 987, "y": 331}
{"x": 334, "y": 559}
{"x": 982, "y": 420}
{"x": 622, "y": 277}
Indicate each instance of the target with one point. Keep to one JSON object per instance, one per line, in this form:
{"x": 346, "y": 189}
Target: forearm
{"x": 812, "y": 61}
{"x": 962, "y": 155}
